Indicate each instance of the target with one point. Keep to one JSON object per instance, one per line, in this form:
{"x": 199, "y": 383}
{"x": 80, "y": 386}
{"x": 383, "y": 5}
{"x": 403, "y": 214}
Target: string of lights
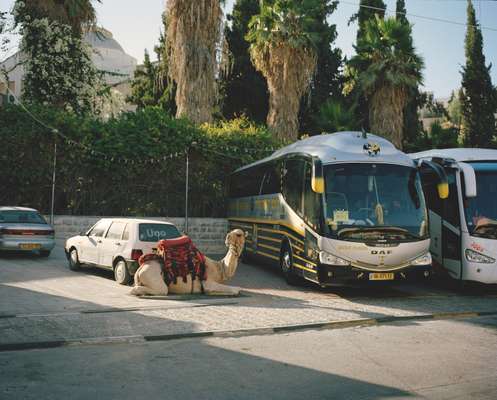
{"x": 224, "y": 151}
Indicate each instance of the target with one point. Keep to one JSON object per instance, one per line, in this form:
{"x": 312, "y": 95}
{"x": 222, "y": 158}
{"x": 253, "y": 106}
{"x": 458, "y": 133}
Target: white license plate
{"x": 381, "y": 276}
{"x": 29, "y": 246}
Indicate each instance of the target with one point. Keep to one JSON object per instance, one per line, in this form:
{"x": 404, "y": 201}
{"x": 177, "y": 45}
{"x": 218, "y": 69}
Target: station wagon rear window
{"x": 156, "y": 232}
{"x": 20, "y": 216}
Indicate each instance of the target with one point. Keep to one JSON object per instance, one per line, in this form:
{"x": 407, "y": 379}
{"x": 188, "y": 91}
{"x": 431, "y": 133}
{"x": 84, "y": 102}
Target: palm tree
{"x": 193, "y": 32}
{"x": 283, "y": 39}
{"x": 79, "y": 14}
{"x": 335, "y": 116}
{"x": 388, "y": 67}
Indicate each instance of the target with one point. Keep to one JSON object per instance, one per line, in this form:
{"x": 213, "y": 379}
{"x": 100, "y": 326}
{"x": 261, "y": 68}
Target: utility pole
{"x": 53, "y": 177}
{"x": 193, "y": 144}
{"x": 186, "y": 189}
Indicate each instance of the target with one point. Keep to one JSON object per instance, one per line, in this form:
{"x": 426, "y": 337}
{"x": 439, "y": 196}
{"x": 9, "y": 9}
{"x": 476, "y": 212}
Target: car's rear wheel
{"x": 121, "y": 273}
{"x": 44, "y": 253}
{"x": 74, "y": 263}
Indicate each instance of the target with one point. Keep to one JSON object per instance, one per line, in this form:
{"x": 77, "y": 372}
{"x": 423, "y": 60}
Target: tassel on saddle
{"x": 181, "y": 258}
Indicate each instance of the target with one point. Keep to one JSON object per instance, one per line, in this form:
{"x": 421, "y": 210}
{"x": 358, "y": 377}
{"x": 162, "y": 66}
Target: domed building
{"x": 108, "y": 57}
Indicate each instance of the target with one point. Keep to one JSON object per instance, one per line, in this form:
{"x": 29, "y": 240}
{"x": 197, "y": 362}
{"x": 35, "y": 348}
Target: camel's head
{"x": 236, "y": 240}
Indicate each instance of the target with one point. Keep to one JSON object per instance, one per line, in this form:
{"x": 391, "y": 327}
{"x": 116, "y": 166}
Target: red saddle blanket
{"x": 179, "y": 258}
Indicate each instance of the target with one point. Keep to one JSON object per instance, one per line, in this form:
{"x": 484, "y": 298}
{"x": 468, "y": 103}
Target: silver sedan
{"x": 25, "y": 229}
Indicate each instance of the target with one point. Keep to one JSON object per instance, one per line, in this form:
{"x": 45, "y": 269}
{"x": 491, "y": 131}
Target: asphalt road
{"x": 427, "y": 360}
{"x": 89, "y": 338}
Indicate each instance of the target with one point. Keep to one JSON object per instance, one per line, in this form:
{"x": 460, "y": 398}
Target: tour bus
{"x": 463, "y": 228}
{"x": 335, "y": 208}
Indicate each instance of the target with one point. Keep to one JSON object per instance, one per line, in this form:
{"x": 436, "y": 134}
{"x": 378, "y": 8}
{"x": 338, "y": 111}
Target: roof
{"x": 342, "y": 147}
{"x": 6, "y": 208}
{"x": 103, "y": 39}
{"x": 459, "y": 154}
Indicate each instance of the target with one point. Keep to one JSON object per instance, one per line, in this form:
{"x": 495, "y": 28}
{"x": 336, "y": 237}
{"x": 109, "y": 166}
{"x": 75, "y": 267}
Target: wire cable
{"x": 436, "y": 19}
{"x": 132, "y": 161}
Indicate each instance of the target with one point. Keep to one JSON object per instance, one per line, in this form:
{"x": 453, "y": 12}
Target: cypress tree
{"x": 367, "y": 10}
{"x": 412, "y": 124}
{"x": 478, "y": 100}
{"x": 245, "y": 89}
{"x": 150, "y": 85}
{"x": 400, "y": 11}
{"x": 327, "y": 82}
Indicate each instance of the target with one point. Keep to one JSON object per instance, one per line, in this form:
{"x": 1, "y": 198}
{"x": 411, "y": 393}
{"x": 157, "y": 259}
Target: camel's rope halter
{"x": 236, "y": 248}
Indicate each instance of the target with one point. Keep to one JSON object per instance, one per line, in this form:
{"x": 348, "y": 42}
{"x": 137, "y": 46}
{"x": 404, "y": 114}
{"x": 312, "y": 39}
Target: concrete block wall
{"x": 208, "y": 234}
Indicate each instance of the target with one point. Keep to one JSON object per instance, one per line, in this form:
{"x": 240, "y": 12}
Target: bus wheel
{"x": 286, "y": 265}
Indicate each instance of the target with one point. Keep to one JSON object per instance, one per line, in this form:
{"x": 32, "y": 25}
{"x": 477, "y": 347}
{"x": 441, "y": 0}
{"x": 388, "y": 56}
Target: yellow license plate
{"x": 381, "y": 276}
{"x": 29, "y": 246}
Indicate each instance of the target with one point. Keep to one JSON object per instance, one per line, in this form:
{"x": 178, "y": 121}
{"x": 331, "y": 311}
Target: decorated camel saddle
{"x": 179, "y": 267}
{"x": 179, "y": 258}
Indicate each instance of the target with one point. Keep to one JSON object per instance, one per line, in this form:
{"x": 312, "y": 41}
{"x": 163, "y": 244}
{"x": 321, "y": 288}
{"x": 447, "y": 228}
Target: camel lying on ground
{"x": 149, "y": 278}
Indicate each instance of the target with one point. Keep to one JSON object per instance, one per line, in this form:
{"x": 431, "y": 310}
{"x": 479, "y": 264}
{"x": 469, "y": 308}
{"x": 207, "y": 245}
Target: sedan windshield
{"x": 481, "y": 211}
{"x": 374, "y": 202}
{"x": 21, "y": 217}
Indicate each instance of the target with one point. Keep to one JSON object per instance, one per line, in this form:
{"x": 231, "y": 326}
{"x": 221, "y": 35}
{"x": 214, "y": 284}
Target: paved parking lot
{"x": 43, "y": 304}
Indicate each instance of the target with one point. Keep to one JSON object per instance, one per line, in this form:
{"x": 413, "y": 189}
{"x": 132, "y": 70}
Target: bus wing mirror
{"x": 469, "y": 179}
{"x": 443, "y": 182}
{"x": 317, "y": 180}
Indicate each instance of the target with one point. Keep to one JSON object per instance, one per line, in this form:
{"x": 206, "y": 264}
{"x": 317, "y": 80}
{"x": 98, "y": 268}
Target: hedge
{"x": 132, "y": 165}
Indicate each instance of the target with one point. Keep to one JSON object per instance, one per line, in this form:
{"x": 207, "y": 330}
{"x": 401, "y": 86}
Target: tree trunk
{"x": 282, "y": 118}
{"x": 386, "y": 113}
{"x": 288, "y": 72}
{"x": 193, "y": 31}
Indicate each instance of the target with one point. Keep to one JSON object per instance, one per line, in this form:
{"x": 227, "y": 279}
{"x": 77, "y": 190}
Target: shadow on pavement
{"x": 32, "y": 287}
{"x": 178, "y": 369}
{"x": 189, "y": 369}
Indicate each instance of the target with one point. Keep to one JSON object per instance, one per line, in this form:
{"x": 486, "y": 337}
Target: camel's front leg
{"x": 214, "y": 288}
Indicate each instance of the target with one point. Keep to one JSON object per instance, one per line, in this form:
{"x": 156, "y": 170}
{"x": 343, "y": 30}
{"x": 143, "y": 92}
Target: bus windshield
{"x": 481, "y": 211}
{"x": 374, "y": 202}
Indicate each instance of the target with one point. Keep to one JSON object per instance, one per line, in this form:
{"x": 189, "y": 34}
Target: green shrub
{"x": 131, "y": 165}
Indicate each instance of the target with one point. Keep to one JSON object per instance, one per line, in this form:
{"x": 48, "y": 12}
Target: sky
{"x": 136, "y": 26}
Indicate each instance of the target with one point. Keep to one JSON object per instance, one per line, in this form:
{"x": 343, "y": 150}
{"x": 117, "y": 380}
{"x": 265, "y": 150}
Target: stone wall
{"x": 208, "y": 234}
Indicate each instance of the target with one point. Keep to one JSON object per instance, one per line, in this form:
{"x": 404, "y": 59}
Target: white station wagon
{"x": 117, "y": 244}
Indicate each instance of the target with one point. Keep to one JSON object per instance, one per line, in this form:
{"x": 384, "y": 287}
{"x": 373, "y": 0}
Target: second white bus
{"x": 463, "y": 227}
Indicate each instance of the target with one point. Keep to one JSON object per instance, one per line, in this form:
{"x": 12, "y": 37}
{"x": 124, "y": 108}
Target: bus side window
{"x": 429, "y": 182}
{"x": 272, "y": 181}
{"x": 451, "y": 211}
{"x": 312, "y": 200}
{"x": 293, "y": 177}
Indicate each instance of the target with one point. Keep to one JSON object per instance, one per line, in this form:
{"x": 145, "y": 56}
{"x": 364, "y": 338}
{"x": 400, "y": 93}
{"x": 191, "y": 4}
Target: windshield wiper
{"x": 386, "y": 233}
{"x": 488, "y": 229}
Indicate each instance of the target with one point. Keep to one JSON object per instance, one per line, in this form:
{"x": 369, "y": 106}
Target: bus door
{"x": 435, "y": 212}
{"x": 451, "y": 226}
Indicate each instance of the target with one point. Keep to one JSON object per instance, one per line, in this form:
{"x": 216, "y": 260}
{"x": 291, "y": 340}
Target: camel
{"x": 149, "y": 279}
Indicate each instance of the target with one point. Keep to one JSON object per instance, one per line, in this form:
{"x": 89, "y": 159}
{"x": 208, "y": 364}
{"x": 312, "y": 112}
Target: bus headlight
{"x": 425, "y": 259}
{"x": 330, "y": 259}
{"x": 476, "y": 257}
